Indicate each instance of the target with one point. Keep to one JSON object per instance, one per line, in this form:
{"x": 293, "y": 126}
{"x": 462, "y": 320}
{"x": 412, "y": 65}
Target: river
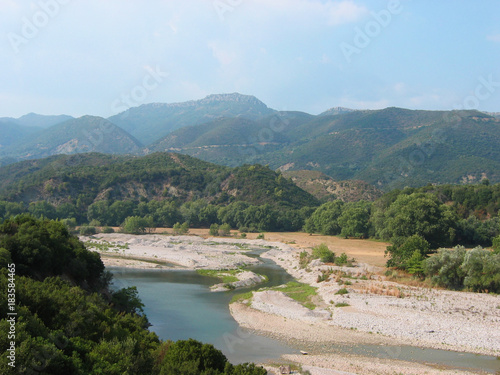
{"x": 179, "y": 305}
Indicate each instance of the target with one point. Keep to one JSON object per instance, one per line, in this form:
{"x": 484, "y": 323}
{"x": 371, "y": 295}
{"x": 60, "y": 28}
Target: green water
{"x": 179, "y": 306}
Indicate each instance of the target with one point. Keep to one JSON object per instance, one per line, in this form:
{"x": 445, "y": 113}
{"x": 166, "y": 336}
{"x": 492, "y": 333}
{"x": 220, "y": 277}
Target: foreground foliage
{"x": 69, "y": 323}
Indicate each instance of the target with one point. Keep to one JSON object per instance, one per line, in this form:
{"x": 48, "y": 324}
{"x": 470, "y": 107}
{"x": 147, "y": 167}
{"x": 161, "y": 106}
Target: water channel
{"x": 179, "y": 305}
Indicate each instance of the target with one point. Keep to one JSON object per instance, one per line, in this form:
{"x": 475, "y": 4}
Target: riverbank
{"x": 153, "y": 251}
{"x": 376, "y": 311}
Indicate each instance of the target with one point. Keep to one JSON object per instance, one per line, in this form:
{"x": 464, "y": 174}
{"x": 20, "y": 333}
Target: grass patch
{"x": 342, "y": 304}
{"x": 241, "y": 297}
{"x": 299, "y": 292}
{"x": 342, "y": 291}
{"x": 226, "y": 276}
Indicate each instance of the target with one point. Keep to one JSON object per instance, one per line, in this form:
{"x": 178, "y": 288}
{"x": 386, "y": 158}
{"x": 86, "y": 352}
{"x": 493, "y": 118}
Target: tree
{"x": 404, "y": 248}
{"x": 127, "y": 300}
{"x": 355, "y": 219}
{"x": 138, "y": 225}
{"x": 325, "y": 219}
{"x": 418, "y": 214}
{"x": 414, "y": 265}
{"x": 181, "y": 228}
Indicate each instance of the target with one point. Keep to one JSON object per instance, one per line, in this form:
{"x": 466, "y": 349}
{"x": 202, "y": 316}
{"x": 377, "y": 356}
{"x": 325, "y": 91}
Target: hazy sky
{"x": 101, "y": 56}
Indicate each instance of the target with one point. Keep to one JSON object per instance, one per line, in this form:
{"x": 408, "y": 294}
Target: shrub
{"x": 108, "y": 230}
{"x": 260, "y": 236}
{"x": 304, "y": 259}
{"x": 323, "y": 253}
{"x": 342, "y": 291}
{"x": 225, "y": 230}
{"x": 444, "y": 267}
{"x": 181, "y": 228}
{"x": 214, "y": 230}
{"x": 341, "y": 304}
{"x": 87, "y": 230}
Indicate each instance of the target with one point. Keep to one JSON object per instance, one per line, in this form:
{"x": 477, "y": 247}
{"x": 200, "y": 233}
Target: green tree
{"x": 325, "y": 219}
{"x": 404, "y": 248}
{"x": 138, "y": 225}
{"x": 127, "y": 300}
{"x": 414, "y": 265}
{"x": 418, "y": 214}
{"x": 355, "y": 219}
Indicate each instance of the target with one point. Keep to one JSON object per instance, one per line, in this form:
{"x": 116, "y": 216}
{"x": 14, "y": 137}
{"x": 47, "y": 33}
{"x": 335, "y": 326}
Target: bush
{"x": 108, "y": 230}
{"x": 260, "y": 236}
{"x": 225, "y": 230}
{"x": 444, "y": 267}
{"x": 181, "y": 228}
{"x": 87, "y": 230}
{"x": 323, "y": 253}
{"x": 214, "y": 230}
{"x": 342, "y": 291}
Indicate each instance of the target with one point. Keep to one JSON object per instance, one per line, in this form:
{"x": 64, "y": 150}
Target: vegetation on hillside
{"x": 68, "y": 322}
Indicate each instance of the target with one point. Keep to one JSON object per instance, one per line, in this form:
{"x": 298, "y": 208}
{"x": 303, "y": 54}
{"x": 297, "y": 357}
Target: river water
{"x": 179, "y": 305}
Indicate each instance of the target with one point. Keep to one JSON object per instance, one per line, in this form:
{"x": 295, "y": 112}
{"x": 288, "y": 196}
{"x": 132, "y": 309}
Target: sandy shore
{"x": 159, "y": 251}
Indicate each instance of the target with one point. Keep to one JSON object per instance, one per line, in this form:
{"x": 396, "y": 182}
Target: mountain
{"x": 12, "y": 133}
{"x": 233, "y": 141}
{"x": 149, "y": 122}
{"x": 336, "y": 111}
{"x": 389, "y": 148}
{"x": 85, "y": 134}
{"x": 85, "y": 178}
{"x": 42, "y": 121}
{"x": 325, "y": 188}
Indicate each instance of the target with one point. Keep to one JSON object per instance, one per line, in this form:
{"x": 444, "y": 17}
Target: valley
{"x": 376, "y": 311}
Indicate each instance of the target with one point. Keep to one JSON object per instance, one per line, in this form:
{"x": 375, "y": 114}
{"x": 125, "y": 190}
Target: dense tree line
{"x": 68, "y": 322}
{"x": 198, "y": 214}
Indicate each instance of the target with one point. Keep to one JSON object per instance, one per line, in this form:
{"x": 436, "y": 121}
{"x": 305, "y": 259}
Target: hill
{"x": 85, "y": 134}
{"x": 42, "y": 121}
{"x": 86, "y": 178}
{"x": 233, "y": 141}
{"x": 327, "y": 189}
{"x": 389, "y": 148}
{"x": 149, "y": 122}
{"x": 12, "y": 133}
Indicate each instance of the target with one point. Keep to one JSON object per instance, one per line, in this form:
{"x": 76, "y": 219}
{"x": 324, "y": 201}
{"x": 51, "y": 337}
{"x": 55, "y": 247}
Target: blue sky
{"x": 101, "y": 56}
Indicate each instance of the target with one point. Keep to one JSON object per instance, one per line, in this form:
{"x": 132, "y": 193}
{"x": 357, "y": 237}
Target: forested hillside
{"x": 166, "y": 187}
{"x": 68, "y": 321}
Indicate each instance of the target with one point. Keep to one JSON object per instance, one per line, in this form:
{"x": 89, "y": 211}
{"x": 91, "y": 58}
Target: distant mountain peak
{"x": 212, "y": 98}
{"x": 336, "y": 111}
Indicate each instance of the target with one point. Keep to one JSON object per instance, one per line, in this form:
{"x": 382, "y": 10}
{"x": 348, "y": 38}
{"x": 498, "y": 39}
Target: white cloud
{"x": 494, "y": 38}
{"x": 344, "y": 12}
